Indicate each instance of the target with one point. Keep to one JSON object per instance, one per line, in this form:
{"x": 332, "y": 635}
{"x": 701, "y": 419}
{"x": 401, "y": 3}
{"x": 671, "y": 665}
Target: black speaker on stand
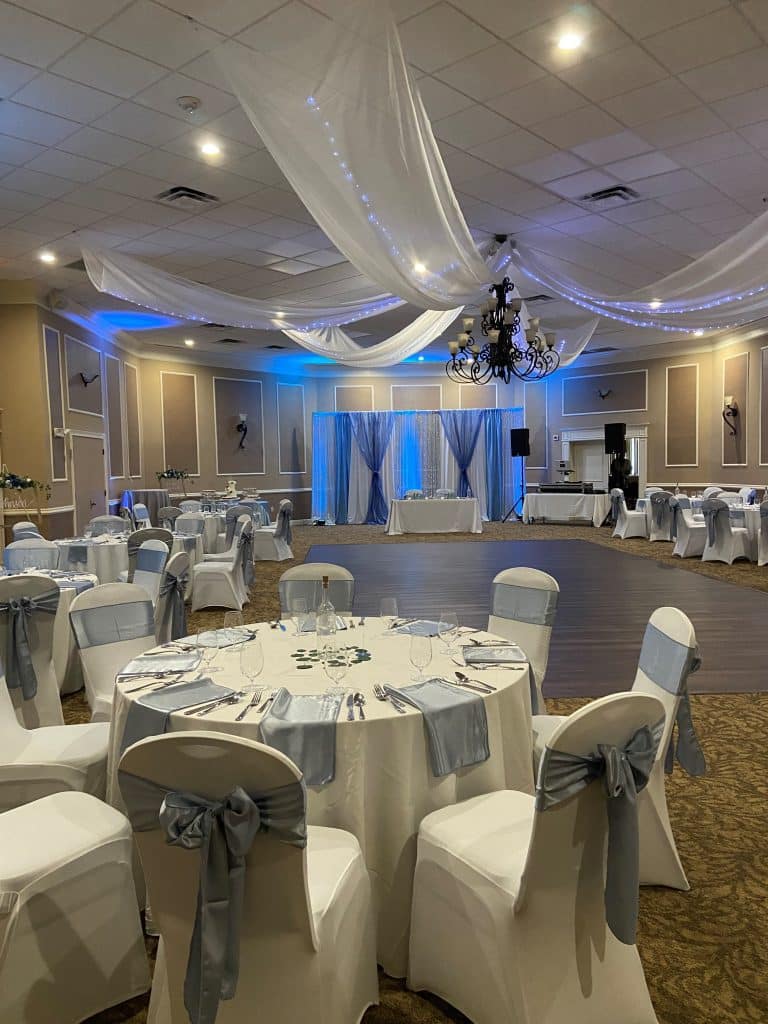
{"x": 521, "y": 449}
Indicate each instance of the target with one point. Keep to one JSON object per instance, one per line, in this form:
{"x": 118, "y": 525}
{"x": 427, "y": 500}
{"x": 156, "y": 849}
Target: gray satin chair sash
{"x": 173, "y": 589}
{"x": 617, "y": 497}
{"x": 245, "y": 546}
{"x": 341, "y": 593}
{"x": 659, "y": 501}
{"x": 283, "y": 529}
{"x": 763, "y": 516}
{"x": 525, "y": 604}
{"x": 112, "y": 623}
{"x": 677, "y": 504}
{"x": 230, "y": 521}
{"x": 711, "y": 509}
{"x": 625, "y": 772}
{"x": 16, "y": 559}
{"x": 668, "y": 664}
{"x": 19, "y": 668}
{"x": 223, "y": 832}
{"x": 151, "y": 559}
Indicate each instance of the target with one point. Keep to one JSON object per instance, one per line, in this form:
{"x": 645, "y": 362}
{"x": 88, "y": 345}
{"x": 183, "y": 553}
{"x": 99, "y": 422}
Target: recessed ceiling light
{"x": 698, "y": 334}
{"x": 46, "y": 256}
{"x": 419, "y": 268}
{"x": 570, "y": 41}
{"x": 189, "y": 342}
{"x": 210, "y": 148}
{"x": 421, "y": 359}
{"x": 656, "y": 304}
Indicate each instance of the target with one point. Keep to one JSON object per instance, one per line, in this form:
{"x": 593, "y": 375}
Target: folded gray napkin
{"x": 77, "y": 554}
{"x": 304, "y": 729}
{"x": 226, "y": 637}
{"x": 419, "y": 627}
{"x": 457, "y": 726}
{"x": 162, "y": 661}
{"x": 149, "y": 715}
{"x": 489, "y": 655}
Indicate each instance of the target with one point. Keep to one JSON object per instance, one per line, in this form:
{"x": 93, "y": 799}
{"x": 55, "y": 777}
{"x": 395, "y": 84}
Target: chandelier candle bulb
{"x": 493, "y": 337}
{"x": 516, "y": 305}
{"x": 550, "y": 337}
{"x": 509, "y": 316}
{"x": 468, "y": 323}
{"x": 534, "y": 322}
{"x": 530, "y": 334}
{"x": 453, "y": 347}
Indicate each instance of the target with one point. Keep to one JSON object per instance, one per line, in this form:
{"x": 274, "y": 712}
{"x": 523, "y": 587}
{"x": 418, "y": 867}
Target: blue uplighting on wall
{"x": 134, "y": 320}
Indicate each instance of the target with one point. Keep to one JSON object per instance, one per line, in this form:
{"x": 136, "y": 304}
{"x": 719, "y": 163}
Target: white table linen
{"x": 563, "y": 508}
{"x": 215, "y": 523}
{"x": 434, "y": 515}
{"x": 383, "y": 784}
{"x": 107, "y": 556}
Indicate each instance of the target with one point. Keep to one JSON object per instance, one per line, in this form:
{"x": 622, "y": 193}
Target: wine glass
{"x": 335, "y": 660}
{"x": 447, "y": 628}
{"x": 208, "y": 642}
{"x": 299, "y": 611}
{"x": 420, "y": 654}
{"x": 251, "y": 662}
{"x": 233, "y": 621}
{"x": 388, "y": 610}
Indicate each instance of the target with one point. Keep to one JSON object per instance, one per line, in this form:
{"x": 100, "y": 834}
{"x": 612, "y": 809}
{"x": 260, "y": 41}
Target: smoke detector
{"x": 189, "y": 104}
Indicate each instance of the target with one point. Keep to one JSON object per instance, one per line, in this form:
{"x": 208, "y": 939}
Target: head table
{"x": 383, "y": 784}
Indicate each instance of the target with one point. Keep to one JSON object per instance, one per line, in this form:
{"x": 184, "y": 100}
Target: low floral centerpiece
{"x": 17, "y": 484}
{"x": 174, "y": 474}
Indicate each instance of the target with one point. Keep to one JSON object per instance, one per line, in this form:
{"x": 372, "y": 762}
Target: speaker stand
{"x": 513, "y": 511}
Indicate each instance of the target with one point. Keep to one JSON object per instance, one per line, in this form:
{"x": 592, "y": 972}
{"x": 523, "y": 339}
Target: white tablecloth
{"x": 107, "y": 557}
{"x": 563, "y": 508}
{"x": 383, "y": 785}
{"x": 434, "y": 515}
{"x": 215, "y": 523}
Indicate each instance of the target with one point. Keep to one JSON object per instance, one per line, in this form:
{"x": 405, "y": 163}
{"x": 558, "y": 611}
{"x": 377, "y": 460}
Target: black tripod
{"x": 513, "y": 511}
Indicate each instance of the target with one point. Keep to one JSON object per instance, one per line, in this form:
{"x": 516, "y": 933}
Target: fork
{"x": 360, "y": 702}
{"x": 159, "y": 677}
{"x": 266, "y": 703}
{"x": 350, "y": 707}
{"x": 381, "y": 694}
{"x": 252, "y": 703}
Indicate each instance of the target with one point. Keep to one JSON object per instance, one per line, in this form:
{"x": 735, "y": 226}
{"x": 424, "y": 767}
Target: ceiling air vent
{"x": 539, "y": 298}
{"x": 279, "y": 347}
{"x": 613, "y": 196}
{"x": 229, "y": 341}
{"x": 181, "y": 197}
{"x": 75, "y": 265}
{"x": 605, "y": 348}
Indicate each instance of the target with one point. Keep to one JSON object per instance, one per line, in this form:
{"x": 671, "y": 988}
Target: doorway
{"x": 590, "y": 463}
{"x": 89, "y": 478}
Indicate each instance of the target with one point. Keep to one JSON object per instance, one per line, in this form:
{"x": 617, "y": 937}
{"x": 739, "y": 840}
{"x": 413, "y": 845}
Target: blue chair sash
{"x": 668, "y": 664}
{"x": 223, "y": 832}
{"x": 524, "y": 604}
{"x": 174, "y": 588}
{"x": 658, "y": 504}
{"x": 112, "y": 623}
{"x": 19, "y": 668}
{"x": 625, "y": 772}
{"x": 150, "y": 559}
{"x": 711, "y": 509}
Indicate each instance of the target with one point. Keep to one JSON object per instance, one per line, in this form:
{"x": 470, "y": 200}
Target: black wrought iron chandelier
{"x": 509, "y": 351}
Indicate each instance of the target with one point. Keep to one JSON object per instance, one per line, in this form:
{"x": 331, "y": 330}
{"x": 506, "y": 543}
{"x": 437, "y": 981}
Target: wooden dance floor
{"x": 606, "y": 598}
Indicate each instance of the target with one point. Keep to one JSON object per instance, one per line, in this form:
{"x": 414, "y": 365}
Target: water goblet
{"x": 420, "y": 654}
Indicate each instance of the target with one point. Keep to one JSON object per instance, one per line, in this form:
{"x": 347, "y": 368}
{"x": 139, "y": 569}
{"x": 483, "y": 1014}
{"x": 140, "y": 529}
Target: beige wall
{"x": 357, "y": 389}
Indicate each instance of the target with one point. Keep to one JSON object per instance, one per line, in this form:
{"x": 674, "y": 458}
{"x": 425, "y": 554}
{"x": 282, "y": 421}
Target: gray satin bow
{"x": 684, "y": 746}
{"x": 657, "y": 505}
{"x": 245, "y": 545}
{"x": 283, "y": 530}
{"x": 712, "y": 508}
{"x": 223, "y": 831}
{"x": 625, "y": 772}
{"x": 174, "y": 588}
{"x": 675, "y": 506}
{"x": 616, "y": 506}
{"x": 19, "y": 668}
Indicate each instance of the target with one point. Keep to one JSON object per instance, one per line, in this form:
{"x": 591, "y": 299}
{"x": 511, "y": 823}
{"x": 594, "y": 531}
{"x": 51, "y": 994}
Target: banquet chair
{"x": 170, "y": 609}
{"x": 112, "y": 624}
{"x": 52, "y": 759}
{"x": 304, "y": 930}
{"x": 150, "y": 563}
{"x": 136, "y": 539}
{"x": 70, "y": 927}
{"x": 225, "y": 583}
{"x": 445, "y": 492}
{"x": 729, "y": 497}
{"x": 710, "y": 492}
{"x": 413, "y": 494}
{"x": 24, "y": 529}
{"x": 230, "y": 554}
{"x": 28, "y": 606}
{"x": 668, "y": 656}
{"x": 30, "y": 553}
{"x": 510, "y": 919}
{"x": 306, "y": 581}
{"x": 660, "y": 523}
{"x": 190, "y": 522}
{"x": 259, "y": 514}
{"x": 650, "y": 490}
{"x": 724, "y": 542}
{"x": 523, "y": 608}
{"x": 629, "y": 523}
{"x": 748, "y": 495}
{"x": 690, "y": 535}
{"x": 141, "y": 516}
{"x": 231, "y": 516}
{"x": 762, "y": 537}
{"x": 273, "y": 543}
{"x": 190, "y": 505}
{"x": 167, "y": 516}
{"x": 108, "y": 524}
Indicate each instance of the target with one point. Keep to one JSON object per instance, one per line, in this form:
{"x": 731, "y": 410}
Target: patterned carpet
{"x": 705, "y": 952}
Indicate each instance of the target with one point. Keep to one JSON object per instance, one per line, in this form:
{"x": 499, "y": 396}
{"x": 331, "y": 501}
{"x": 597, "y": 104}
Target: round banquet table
{"x": 107, "y": 558}
{"x": 383, "y": 785}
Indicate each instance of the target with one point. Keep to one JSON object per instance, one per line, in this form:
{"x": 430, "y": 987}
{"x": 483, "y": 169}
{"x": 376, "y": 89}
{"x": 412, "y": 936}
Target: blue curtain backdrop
{"x": 343, "y": 430}
{"x": 494, "y": 464}
{"x": 373, "y": 432}
{"x": 462, "y": 429}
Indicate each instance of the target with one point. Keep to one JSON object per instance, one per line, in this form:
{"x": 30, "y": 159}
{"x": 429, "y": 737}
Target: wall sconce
{"x": 88, "y": 378}
{"x": 730, "y": 412}
{"x": 242, "y": 428}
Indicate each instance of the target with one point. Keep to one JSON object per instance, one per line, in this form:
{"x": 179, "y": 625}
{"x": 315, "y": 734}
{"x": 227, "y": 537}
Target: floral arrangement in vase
{"x": 174, "y": 474}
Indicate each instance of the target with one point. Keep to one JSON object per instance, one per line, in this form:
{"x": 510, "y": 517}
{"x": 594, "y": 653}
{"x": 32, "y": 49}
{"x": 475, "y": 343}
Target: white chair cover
{"x": 231, "y": 517}
{"x": 112, "y": 624}
{"x": 108, "y": 524}
{"x": 231, "y": 553}
{"x": 136, "y": 539}
{"x": 748, "y": 495}
{"x": 170, "y": 609}
{"x": 190, "y": 522}
{"x": 70, "y": 928}
{"x": 274, "y": 544}
{"x": 629, "y": 523}
{"x": 690, "y": 535}
{"x": 762, "y": 537}
{"x": 28, "y": 606}
{"x": 303, "y": 931}
{"x": 523, "y": 609}
{"x": 224, "y": 583}
{"x": 24, "y": 529}
{"x": 306, "y": 581}
{"x": 30, "y": 553}
{"x": 141, "y": 516}
{"x": 150, "y": 563}
{"x": 190, "y": 505}
{"x": 660, "y": 526}
{"x": 724, "y": 542}
{"x": 711, "y": 492}
{"x": 511, "y": 902}
{"x": 167, "y": 516}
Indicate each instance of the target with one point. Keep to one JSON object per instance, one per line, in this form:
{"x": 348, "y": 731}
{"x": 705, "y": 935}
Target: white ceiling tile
{"x": 729, "y": 76}
{"x": 153, "y": 214}
{"x": 18, "y": 151}
{"x": 282, "y": 29}
{"x": 278, "y": 200}
{"x": 527, "y": 202}
{"x": 37, "y": 184}
{"x": 652, "y": 16}
{"x": 13, "y": 75}
{"x": 130, "y": 183}
{"x": 746, "y": 109}
{"x": 471, "y": 127}
{"x": 756, "y": 11}
{"x": 577, "y": 127}
{"x": 64, "y": 210}
{"x": 227, "y": 16}
{"x": 754, "y": 134}
{"x": 235, "y": 125}
{"x": 703, "y": 40}
{"x": 441, "y": 100}
{"x": 576, "y": 185}
{"x": 292, "y": 267}
{"x": 26, "y": 37}
{"x": 629, "y": 67}
{"x": 546, "y": 97}
{"x": 259, "y": 167}
{"x": 238, "y": 215}
{"x": 642, "y": 166}
{"x": 495, "y": 188}
{"x": 670, "y": 131}
{"x": 34, "y": 125}
{"x": 207, "y": 68}
{"x": 92, "y": 198}
{"x": 282, "y": 227}
{"x": 104, "y": 146}
{"x": 744, "y": 172}
{"x": 324, "y": 258}
{"x": 57, "y": 95}
{"x": 441, "y": 35}
{"x": 642, "y": 210}
{"x": 518, "y": 147}
{"x": 714, "y": 147}
{"x": 666, "y": 184}
{"x": 558, "y": 213}
{"x": 188, "y": 146}
{"x": 714, "y": 212}
{"x": 158, "y": 163}
{"x": 124, "y": 227}
{"x": 727, "y": 226}
{"x": 84, "y": 15}
{"x": 173, "y": 40}
{"x": 66, "y": 165}
{"x": 512, "y": 19}
{"x": 667, "y": 97}
{"x": 491, "y": 72}
{"x": 601, "y": 35}
{"x": 547, "y": 168}
{"x": 402, "y": 9}
{"x": 163, "y": 96}
{"x": 48, "y": 229}
{"x": 284, "y": 247}
{"x": 689, "y": 199}
{"x": 141, "y": 124}
{"x": 105, "y": 67}
{"x": 22, "y": 202}
{"x": 619, "y": 146}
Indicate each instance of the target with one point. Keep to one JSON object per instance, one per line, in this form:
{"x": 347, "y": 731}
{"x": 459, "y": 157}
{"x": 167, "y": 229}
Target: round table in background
{"x": 383, "y": 785}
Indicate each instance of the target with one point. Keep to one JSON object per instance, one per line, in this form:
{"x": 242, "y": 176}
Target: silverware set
{"x": 159, "y": 679}
{"x": 258, "y": 694}
{"x": 355, "y": 700}
{"x": 473, "y": 684}
{"x": 205, "y": 707}
{"x": 381, "y": 694}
